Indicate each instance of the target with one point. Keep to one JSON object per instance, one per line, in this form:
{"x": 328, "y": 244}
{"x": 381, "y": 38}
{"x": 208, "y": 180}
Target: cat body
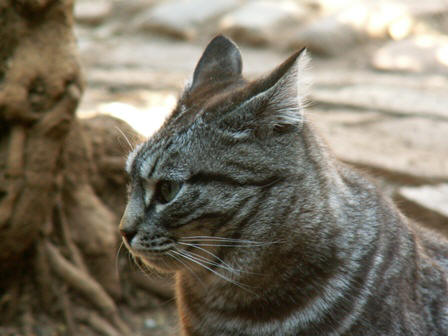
{"x": 267, "y": 232}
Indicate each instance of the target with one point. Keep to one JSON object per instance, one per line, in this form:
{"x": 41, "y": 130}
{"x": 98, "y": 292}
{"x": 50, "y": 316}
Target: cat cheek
{"x": 195, "y": 228}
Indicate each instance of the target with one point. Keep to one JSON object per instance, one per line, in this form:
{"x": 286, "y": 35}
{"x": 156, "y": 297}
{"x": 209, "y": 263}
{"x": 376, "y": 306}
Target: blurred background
{"x": 380, "y": 99}
{"x": 380, "y": 69}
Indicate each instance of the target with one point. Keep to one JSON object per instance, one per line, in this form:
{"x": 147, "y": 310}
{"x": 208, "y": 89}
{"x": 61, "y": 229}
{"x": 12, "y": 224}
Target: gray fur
{"x": 298, "y": 243}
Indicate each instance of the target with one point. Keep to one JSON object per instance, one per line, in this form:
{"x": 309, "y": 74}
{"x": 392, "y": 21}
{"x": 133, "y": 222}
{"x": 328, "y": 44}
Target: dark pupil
{"x": 168, "y": 190}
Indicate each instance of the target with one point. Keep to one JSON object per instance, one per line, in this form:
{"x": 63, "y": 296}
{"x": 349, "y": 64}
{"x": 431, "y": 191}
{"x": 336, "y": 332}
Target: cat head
{"x": 204, "y": 182}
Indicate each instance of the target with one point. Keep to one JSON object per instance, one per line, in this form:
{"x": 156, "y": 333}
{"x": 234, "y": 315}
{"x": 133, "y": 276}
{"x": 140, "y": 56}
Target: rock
{"x": 326, "y": 36}
{"x": 136, "y": 52}
{"x": 394, "y": 100}
{"x": 126, "y": 10}
{"x": 412, "y": 150}
{"x": 329, "y": 76}
{"x": 161, "y": 56}
{"x": 182, "y": 18}
{"x": 331, "y": 6}
{"x": 92, "y": 12}
{"x": 423, "y": 9}
{"x": 260, "y": 22}
{"x": 427, "y": 204}
{"x": 125, "y": 79}
{"x": 424, "y": 53}
{"x": 434, "y": 198}
{"x": 336, "y": 33}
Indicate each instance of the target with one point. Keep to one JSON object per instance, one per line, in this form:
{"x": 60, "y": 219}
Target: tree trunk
{"x": 59, "y": 179}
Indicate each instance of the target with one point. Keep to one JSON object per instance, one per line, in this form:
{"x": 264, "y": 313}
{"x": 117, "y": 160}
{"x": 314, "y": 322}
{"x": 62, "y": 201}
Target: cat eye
{"x": 167, "y": 191}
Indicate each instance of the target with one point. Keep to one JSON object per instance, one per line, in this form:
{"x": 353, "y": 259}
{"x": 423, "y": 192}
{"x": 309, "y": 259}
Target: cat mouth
{"x": 149, "y": 245}
{"x": 150, "y": 248}
{"x": 153, "y": 253}
{"x": 163, "y": 260}
{"x": 157, "y": 258}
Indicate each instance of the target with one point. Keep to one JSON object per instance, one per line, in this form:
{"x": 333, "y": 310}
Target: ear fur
{"x": 276, "y": 101}
{"x": 221, "y": 60}
{"x": 285, "y": 94}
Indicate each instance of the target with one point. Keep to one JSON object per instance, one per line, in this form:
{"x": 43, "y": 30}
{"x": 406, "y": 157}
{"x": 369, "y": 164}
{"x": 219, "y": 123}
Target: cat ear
{"x": 282, "y": 95}
{"x": 221, "y": 60}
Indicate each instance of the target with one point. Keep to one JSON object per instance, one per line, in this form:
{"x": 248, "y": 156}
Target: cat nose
{"x": 128, "y": 234}
{"x": 127, "y": 229}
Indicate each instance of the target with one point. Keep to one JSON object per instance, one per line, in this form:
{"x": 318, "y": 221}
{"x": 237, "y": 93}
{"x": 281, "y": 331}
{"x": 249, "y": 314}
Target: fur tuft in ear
{"x": 220, "y": 61}
{"x": 275, "y": 102}
{"x": 285, "y": 92}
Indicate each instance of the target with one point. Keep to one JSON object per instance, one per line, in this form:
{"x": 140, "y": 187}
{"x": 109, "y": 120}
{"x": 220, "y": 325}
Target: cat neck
{"x": 309, "y": 274}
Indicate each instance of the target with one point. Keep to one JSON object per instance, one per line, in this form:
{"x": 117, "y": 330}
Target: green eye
{"x": 168, "y": 191}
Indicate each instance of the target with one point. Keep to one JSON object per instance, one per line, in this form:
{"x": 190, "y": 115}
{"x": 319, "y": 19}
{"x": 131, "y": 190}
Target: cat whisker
{"x": 224, "y": 239}
{"x": 187, "y": 267}
{"x": 188, "y": 257}
{"x": 228, "y": 267}
{"x": 140, "y": 266}
{"x": 117, "y": 255}
{"x": 208, "y": 252}
{"x": 213, "y": 263}
{"x": 147, "y": 271}
{"x": 125, "y": 137}
{"x": 200, "y": 258}
{"x": 131, "y": 257}
{"x": 229, "y": 245}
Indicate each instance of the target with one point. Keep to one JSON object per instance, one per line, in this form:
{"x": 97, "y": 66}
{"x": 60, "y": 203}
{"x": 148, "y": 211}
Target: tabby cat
{"x": 267, "y": 233}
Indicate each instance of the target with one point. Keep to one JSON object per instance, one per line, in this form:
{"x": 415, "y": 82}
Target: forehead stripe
{"x": 147, "y": 165}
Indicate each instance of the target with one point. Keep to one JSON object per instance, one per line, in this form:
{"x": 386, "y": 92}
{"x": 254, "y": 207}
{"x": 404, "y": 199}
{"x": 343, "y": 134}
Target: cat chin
{"x": 162, "y": 263}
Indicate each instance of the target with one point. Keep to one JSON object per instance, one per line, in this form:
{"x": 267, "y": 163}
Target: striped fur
{"x": 268, "y": 233}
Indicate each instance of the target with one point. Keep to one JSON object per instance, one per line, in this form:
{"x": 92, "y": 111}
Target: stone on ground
{"x": 92, "y": 12}
{"x": 424, "y": 53}
{"x": 431, "y": 197}
{"x": 424, "y": 9}
{"x": 182, "y": 18}
{"x": 395, "y": 147}
{"x": 261, "y": 22}
{"x": 428, "y": 204}
{"x": 338, "y": 32}
{"x": 394, "y": 100}
{"x": 326, "y": 36}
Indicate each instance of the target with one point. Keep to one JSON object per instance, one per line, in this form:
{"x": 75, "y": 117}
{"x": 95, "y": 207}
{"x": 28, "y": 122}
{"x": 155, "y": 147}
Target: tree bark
{"x": 59, "y": 177}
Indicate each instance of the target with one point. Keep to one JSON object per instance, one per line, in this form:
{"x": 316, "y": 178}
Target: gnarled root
{"x": 86, "y": 285}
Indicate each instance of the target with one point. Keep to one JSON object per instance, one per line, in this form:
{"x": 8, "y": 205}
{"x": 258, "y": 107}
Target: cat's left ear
{"x": 280, "y": 97}
{"x": 220, "y": 61}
